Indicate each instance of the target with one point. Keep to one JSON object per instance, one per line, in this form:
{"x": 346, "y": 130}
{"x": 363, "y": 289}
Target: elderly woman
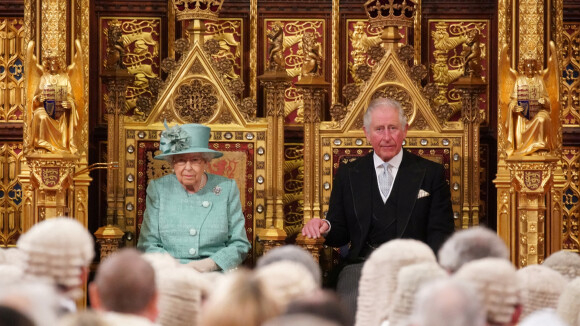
{"x": 193, "y": 215}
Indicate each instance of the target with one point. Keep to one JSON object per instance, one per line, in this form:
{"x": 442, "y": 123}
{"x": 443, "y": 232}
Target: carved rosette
{"x": 398, "y": 94}
{"x": 196, "y": 101}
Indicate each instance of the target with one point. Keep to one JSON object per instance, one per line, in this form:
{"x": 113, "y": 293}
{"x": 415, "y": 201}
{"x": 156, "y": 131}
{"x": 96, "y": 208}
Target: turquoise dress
{"x": 209, "y": 223}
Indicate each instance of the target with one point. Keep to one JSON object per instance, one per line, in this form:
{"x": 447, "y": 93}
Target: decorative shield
{"x": 532, "y": 179}
{"x": 50, "y": 176}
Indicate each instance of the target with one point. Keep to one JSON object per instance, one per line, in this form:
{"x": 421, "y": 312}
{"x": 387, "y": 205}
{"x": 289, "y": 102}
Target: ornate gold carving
{"x": 472, "y": 52}
{"x": 11, "y": 193}
{"x": 227, "y": 33}
{"x": 11, "y": 105}
{"x": 571, "y": 75}
{"x": 350, "y": 91}
{"x": 253, "y": 47}
{"x": 390, "y": 13}
{"x": 311, "y": 56}
{"x": 335, "y": 46}
{"x": 337, "y": 112}
{"x": 531, "y": 29}
{"x": 530, "y": 107}
{"x": 55, "y": 103}
{"x": 294, "y": 56}
{"x": 275, "y": 48}
{"x": 376, "y": 52}
{"x": 249, "y": 107}
{"x": 446, "y": 37}
{"x": 196, "y": 101}
{"x": 115, "y": 47}
{"x": 197, "y": 9}
{"x": 362, "y": 45}
{"x": 504, "y": 21}
{"x": 140, "y": 40}
{"x": 54, "y": 31}
{"x": 398, "y": 94}
{"x": 109, "y": 239}
{"x": 571, "y": 198}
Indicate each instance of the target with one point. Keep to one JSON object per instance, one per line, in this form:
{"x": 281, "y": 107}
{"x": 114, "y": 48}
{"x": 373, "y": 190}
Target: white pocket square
{"x": 422, "y": 193}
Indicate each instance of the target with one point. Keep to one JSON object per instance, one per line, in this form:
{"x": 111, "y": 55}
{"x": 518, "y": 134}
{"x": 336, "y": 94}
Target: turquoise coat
{"x": 190, "y": 227}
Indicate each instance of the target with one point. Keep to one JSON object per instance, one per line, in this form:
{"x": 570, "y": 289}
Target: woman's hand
{"x": 204, "y": 265}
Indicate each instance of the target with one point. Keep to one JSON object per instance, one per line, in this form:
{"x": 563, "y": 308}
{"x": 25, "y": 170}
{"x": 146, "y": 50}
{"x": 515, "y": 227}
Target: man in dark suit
{"x": 388, "y": 194}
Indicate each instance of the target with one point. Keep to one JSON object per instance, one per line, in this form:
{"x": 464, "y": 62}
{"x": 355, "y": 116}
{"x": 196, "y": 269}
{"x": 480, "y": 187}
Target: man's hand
{"x": 314, "y": 228}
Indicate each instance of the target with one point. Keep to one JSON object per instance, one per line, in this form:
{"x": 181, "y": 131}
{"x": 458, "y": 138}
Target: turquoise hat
{"x": 185, "y": 139}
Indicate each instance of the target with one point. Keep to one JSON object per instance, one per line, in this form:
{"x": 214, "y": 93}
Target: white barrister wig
{"x": 471, "y": 244}
{"x": 55, "y": 250}
{"x": 565, "y": 262}
{"x": 378, "y": 280}
{"x": 286, "y": 281}
{"x": 541, "y": 288}
{"x": 10, "y": 274}
{"x": 409, "y": 281}
{"x": 181, "y": 290}
{"x": 569, "y": 305}
{"x": 497, "y": 283}
{"x": 12, "y": 256}
{"x": 292, "y": 253}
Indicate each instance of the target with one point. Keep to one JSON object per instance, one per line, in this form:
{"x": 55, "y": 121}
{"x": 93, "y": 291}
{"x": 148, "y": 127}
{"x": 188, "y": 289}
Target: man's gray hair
{"x": 471, "y": 244}
{"x": 383, "y": 102}
{"x": 448, "y": 302}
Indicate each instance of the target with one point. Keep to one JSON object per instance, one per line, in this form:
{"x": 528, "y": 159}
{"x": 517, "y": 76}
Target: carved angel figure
{"x": 54, "y": 102}
{"x": 529, "y": 105}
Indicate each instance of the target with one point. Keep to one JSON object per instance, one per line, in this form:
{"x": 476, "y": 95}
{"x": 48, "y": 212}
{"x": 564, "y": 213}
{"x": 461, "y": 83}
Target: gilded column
{"x": 529, "y": 180}
{"x": 335, "y": 49}
{"x": 471, "y": 88}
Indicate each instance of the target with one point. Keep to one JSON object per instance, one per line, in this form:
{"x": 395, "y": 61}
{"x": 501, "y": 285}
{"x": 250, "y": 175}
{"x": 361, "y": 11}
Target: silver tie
{"x": 386, "y": 179}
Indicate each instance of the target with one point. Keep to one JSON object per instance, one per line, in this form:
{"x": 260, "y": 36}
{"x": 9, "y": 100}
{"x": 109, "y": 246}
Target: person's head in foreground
{"x": 125, "y": 284}
{"x": 471, "y": 244}
{"x": 58, "y": 250}
{"x": 448, "y": 302}
{"x": 496, "y": 282}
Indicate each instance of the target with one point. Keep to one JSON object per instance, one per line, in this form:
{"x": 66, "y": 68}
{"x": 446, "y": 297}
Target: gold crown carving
{"x": 383, "y": 13}
{"x": 197, "y": 9}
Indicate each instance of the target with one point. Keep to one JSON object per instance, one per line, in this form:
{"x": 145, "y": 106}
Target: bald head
{"x": 124, "y": 283}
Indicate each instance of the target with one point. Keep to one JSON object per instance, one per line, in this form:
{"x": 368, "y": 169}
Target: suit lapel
{"x": 409, "y": 179}
{"x": 361, "y": 182}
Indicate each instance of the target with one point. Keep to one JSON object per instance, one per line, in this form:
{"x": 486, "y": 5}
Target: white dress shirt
{"x": 395, "y": 162}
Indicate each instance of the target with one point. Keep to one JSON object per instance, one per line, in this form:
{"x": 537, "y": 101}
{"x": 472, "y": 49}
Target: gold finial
{"x": 197, "y": 9}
